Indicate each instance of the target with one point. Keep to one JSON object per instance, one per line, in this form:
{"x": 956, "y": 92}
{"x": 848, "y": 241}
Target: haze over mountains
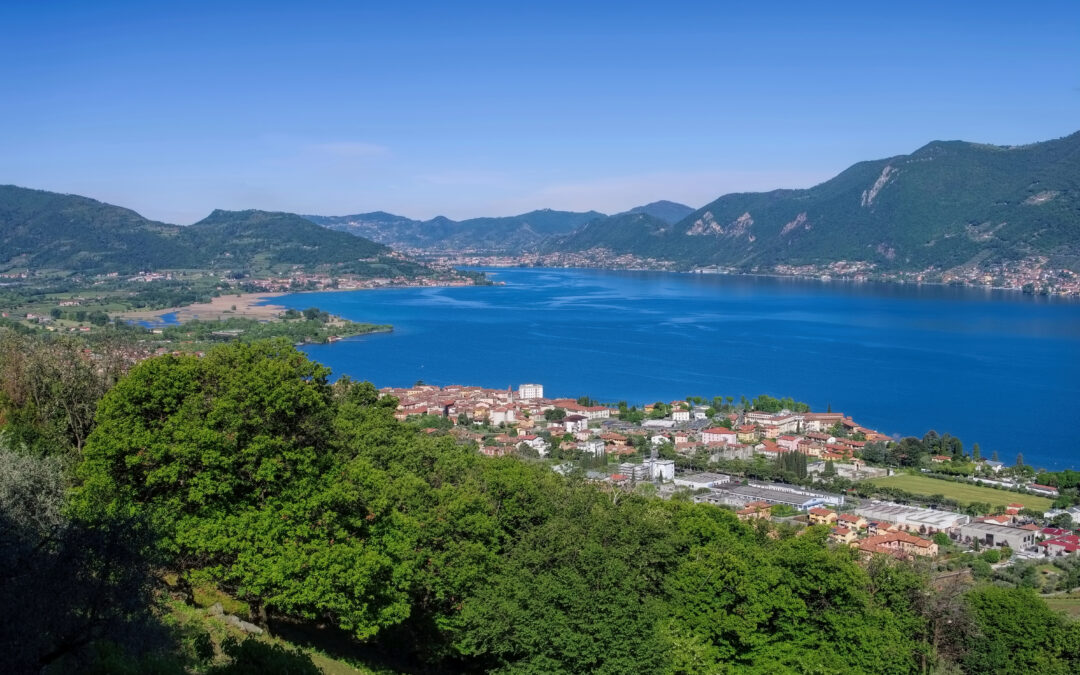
{"x": 947, "y": 204}
{"x": 509, "y": 234}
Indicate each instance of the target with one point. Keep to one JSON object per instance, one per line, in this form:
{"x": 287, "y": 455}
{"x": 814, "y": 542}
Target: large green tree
{"x": 1015, "y": 632}
{"x": 231, "y": 455}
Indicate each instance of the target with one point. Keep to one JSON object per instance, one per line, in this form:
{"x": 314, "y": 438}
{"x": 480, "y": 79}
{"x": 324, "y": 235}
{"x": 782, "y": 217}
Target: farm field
{"x": 961, "y": 492}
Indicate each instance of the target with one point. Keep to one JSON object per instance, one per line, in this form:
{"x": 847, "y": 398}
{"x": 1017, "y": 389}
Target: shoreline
{"x": 243, "y": 305}
{"x": 799, "y": 277}
{"x": 247, "y": 305}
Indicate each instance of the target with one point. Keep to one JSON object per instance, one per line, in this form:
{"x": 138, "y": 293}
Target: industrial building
{"x": 992, "y": 534}
{"x": 695, "y": 481}
{"x": 912, "y": 518}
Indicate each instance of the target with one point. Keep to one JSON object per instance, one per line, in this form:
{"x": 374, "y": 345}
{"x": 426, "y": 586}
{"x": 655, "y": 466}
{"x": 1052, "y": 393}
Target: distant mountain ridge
{"x": 48, "y": 230}
{"x": 669, "y": 212}
{"x": 947, "y": 204}
{"x": 508, "y": 234}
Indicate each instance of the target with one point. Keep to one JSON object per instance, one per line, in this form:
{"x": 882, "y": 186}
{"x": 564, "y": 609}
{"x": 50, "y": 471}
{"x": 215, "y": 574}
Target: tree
{"x": 1016, "y": 633}
{"x": 1063, "y": 521}
{"x": 976, "y": 454}
{"x": 994, "y": 456}
{"x": 49, "y": 390}
{"x": 830, "y": 469}
{"x": 1019, "y": 459}
{"x": 228, "y": 453}
{"x": 67, "y": 584}
{"x": 941, "y": 539}
{"x": 794, "y": 463}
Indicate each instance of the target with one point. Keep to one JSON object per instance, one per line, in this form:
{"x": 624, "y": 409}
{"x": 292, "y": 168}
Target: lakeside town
{"x": 706, "y": 451}
{"x": 1033, "y": 275}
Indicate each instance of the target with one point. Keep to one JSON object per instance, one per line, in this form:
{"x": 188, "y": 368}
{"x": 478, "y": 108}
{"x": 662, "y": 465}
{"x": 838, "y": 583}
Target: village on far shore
{"x": 704, "y": 453}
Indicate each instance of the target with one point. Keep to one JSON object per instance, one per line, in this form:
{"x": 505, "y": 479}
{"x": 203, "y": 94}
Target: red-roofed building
{"x": 820, "y": 516}
{"x": 719, "y": 435}
{"x": 898, "y": 544}
{"x": 842, "y": 535}
{"x": 754, "y": 510}
{"x": 852, "y": 521}
{"x": 1066, "y": 544}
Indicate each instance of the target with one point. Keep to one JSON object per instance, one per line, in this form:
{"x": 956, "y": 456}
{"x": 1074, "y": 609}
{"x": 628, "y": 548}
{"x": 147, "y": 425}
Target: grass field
{"x": 1070, "y": 604}
{"x": 961, "y": 492}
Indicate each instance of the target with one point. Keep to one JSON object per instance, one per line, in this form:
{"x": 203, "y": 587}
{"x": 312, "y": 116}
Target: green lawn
{"x": 961, "y": 492}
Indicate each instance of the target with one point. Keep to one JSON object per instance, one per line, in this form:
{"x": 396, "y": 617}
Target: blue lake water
{"x": 167, "y": 319}
{"x": 992, "y": 367}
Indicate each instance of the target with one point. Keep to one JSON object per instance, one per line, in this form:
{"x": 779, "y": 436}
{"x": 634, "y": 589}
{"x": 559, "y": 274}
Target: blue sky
{"x": 469, "y": 109}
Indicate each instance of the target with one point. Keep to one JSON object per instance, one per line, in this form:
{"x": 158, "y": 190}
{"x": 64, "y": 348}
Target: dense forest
{"x": 125, "y": 487}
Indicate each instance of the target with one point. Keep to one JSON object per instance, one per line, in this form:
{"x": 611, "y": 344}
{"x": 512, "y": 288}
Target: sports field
{"x": 961, "y": 492}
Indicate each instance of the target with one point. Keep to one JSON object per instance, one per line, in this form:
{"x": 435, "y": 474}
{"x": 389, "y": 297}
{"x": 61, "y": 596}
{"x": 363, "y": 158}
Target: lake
{"x": 992, "y": 367}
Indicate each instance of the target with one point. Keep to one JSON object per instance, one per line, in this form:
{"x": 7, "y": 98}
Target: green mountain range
{"x": 49, "y": 231}
{"x": 947, "y": 204}
{"x": 510, "y": 234}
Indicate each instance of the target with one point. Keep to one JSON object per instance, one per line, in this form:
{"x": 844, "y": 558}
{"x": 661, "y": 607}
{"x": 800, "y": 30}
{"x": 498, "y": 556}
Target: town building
{"x": 912, "y": 518}
{"x": 992, "y": 534}
{"x": 702, "y": 480}
{"x": 820, "y": 516}
{"x": 1064, "y": 544}
{"x": 898, "y": 544}
{"x": 529, "y": 392}
{"x": 594, "y": 447}
{"x": 842, "y": 535}
{"x": 755, "y": 511}
{"x": 719, "y": 435}
{"x": 773, "y": 493}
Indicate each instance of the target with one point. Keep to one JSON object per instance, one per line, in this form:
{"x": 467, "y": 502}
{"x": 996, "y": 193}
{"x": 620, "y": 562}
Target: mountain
{"x": 946, "y": 204}
{"x": 510, "y": 234}
{"x": 669, "y": 212}
{"x": 47, "y": 230}
{"x": 225, "y": 237}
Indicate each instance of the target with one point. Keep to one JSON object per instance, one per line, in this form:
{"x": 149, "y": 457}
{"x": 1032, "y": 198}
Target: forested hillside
{"x": 41, "y": 229}
{"x": 307, "y": 502}
{"x": 944, "y": 205}
{"x": 48, "y": 231}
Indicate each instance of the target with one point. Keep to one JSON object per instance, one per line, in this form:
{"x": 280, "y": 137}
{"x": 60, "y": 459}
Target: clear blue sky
{"x": 468, "y": 109}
